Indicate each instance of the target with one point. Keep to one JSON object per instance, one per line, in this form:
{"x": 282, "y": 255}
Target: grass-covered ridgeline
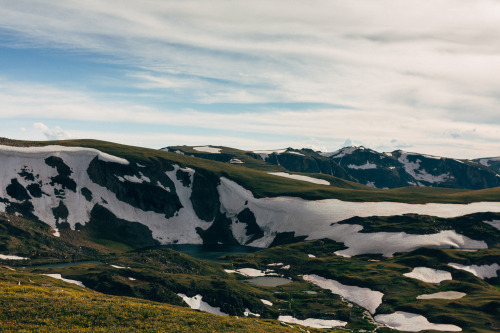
{"x": 263, "y": 184}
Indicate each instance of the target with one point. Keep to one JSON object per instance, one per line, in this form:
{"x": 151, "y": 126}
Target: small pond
{"x": 268, "y": 281}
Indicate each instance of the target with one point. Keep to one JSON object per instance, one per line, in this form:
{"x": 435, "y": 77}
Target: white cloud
{"x": 425, "y": 73}
{"x": 327, "y": 127}
{"x": 57, "y": 133}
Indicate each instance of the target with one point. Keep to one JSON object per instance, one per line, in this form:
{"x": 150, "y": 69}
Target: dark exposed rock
{"x": 35, "y": 190}
{"x": 86, "y": 193}
{"x": 64, "y": 173}
{"x": 27, "y": 175}
{"x": 183, "y": 177}
{"x": 60, "y": 213}
{"x": 252, "y": 229}
{"x": 24, "y": 209}
{"x": 204, "y": 196}
{"x": 17, "y": 191}
{"x": 105, "y": 225}
{"x": 286, "y": 238}
{"x": 308, "y": 161}
{"x": 145, "y": 196}
{"x": 219, "y": 232}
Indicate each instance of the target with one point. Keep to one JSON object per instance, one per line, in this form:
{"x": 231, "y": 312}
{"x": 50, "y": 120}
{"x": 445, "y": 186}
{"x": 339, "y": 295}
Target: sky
{"x": 421, "y": 76}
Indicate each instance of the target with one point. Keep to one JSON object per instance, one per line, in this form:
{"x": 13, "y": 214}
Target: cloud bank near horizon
{"x": 387, "y": 75}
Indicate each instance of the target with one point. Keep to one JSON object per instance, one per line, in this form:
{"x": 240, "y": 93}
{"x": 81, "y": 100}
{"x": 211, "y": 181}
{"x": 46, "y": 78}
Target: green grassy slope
{"x": 263, "y": 184}
{"x": 36, "y": 303}
{"x": 478, "y": 311}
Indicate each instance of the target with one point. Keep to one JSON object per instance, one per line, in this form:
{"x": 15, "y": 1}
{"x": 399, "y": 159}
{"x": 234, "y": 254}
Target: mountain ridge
{"x": 365, "y": 166}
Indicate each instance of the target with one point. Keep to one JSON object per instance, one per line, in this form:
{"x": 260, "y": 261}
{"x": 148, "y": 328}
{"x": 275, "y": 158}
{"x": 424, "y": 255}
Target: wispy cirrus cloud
{"x": 423, "y": 74}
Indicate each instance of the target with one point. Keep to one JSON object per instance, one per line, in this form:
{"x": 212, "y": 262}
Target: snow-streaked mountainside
{"x": 161, "y": 202}
{"x": 399, "y": 168}
{"x": 369, "y": 167}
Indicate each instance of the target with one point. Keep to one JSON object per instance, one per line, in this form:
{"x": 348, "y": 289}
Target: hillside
{"x": 341, "y": 254}
{"x": 37, "y": 303}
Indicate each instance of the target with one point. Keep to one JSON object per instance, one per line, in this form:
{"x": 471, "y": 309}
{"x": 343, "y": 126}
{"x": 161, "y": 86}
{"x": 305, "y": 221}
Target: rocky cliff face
{"x": 308, "y": 161}
{"x": 367, "y": 166}
{"x": 399, "y": 168}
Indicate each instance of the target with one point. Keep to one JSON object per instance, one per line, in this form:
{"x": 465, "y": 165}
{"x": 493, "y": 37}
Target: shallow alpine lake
{"x": 210, "y": 252}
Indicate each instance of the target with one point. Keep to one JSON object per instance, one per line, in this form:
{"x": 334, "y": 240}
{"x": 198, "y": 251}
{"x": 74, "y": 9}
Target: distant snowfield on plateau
{"x": 207, "y": 149}
{"x": 300, "y": 177}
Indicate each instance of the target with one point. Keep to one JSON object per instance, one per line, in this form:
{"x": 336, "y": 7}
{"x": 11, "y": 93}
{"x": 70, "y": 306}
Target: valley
{"x": 330, "y": 254}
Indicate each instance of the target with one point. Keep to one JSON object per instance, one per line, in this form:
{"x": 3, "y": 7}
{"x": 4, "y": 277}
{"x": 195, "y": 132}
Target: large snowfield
{"x": 273, "y": 215}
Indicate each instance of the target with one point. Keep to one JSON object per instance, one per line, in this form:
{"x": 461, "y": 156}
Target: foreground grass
{"x": 30, "y": 302}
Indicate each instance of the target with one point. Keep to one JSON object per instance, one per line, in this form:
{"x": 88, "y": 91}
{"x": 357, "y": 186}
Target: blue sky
{"x": 412, "y": 75}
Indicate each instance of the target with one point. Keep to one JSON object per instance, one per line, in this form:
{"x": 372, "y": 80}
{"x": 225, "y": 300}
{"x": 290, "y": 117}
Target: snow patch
{"x": 341, "y": 152}
{"x": 276, "y": 264}
{"x": 311, "y": 256}
{"x": 59, "y": 277}
{"x": 56, "y": 233}
{"x": 131, "y": 279}
{"x": 9, "y": 257}
{"x": 134, "y": 178}
{"x": 312, "y": 322}
{"x": 207, "y": 149}
{"x": 118, "y": 267}
{"x": 371, "y": 184}
{"x": 364, "y": 297}
{"x": 482, "y": 272}
{"x": 250, "y": 272}
{"x": 429, "y": 275}
{"x": 294, "y": 152}
{"x": 443, "y": 295}
{"x": 487, "y": 161}
{"x": 412, "y": 168}
{"x": 410, "y": 322}
{"x": 366, "y": 166}
{"x": 266, "y": 302}
{"x": 196, "y": 302}
{"x": 249, "y": 313}
{"x": 161, "y": 186}
{"x": 299, "y": 177}
{"x": 236, "y": 161}
{"x": 264, "y": 154}
{"x": 494, "y": 223}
